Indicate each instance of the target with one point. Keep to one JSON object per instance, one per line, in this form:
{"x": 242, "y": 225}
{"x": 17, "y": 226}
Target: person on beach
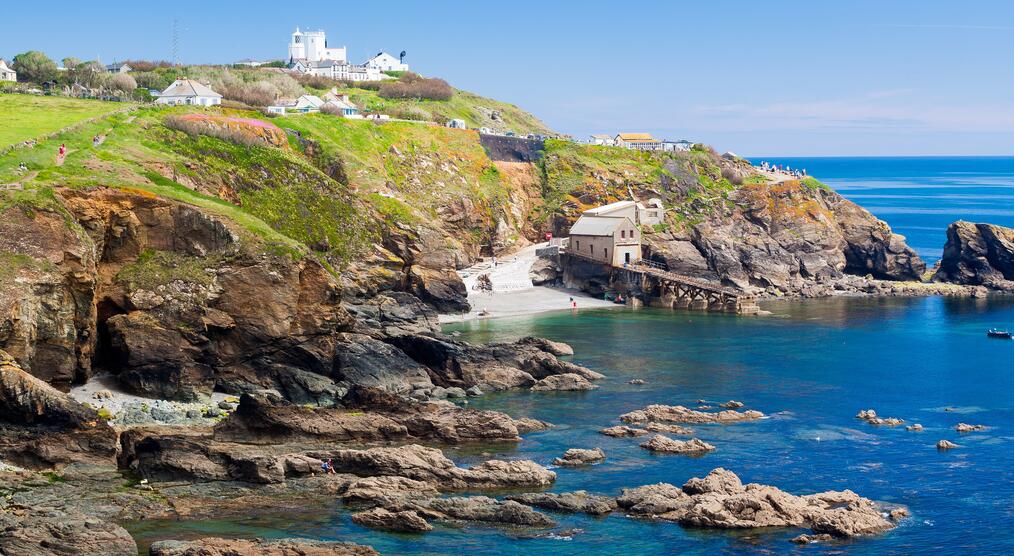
{"x": 573, "y": 304}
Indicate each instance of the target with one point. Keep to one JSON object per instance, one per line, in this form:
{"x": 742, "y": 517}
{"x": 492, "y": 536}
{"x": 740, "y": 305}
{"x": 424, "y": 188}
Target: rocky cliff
{"x": 978, "y": 254}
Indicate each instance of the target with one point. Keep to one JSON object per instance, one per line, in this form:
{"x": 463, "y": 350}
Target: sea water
{"x": 810, "y": 366}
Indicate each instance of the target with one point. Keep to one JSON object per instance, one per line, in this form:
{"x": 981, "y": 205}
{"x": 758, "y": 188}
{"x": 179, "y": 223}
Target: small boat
{"x": 1002, "y": 334}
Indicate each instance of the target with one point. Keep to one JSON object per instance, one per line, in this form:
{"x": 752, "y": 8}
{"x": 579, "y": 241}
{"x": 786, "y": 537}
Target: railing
{"x": 561, "y": 242}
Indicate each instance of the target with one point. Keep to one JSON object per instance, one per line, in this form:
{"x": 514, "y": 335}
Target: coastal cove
{"x": 925, "y": 360}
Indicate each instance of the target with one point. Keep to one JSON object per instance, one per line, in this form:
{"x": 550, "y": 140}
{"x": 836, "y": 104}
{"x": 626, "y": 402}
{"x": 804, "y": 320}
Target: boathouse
{"x": 612, "y": 240}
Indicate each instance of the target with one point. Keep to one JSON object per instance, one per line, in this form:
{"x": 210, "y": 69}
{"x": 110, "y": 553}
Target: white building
{"x": 385, "y": 62}
{"x": 188, "y": 91}
{"x": 118, "y": 68}
{"x": 6, "y": 73}
{"x": 602, "y": 139}
{"x": 311, "y": 46}
{"x": 648, "y": 214}
{"x": 639, "y": 141}
{"x": 457, "y": 123}
{"x": 342, "y": 104}
{"x": 337, "y": 70}
{"x": 613, "y": 240}
{"x": 677, "y": 146}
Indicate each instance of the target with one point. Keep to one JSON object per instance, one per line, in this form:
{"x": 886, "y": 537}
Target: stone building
{"x": 613, "y": 240}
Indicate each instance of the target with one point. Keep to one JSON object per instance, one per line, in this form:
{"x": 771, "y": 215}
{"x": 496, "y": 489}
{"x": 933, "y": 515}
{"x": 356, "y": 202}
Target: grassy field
{"x": 27, "y": 116}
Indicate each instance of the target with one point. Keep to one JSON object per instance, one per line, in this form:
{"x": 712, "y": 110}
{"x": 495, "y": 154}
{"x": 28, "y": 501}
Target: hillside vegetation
{"x": 27, "y": 117}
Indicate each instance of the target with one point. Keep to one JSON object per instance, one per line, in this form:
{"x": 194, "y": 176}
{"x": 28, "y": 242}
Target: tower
{"x": 297, "y": 48}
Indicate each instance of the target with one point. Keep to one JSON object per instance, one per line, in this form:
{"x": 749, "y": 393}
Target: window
{"x": 578, "y": 243}
{"x": 623, "y": 233}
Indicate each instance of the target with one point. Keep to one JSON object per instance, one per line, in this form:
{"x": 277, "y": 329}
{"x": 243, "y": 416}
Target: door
{"x": 626, "y": 258}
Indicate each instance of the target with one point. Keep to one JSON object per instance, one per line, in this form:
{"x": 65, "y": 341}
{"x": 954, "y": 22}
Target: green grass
{"x": 26, "y": 117}
{"x": 158, "y": 268}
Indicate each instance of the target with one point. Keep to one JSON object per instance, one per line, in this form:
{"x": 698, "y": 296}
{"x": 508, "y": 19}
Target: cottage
{"x": 607, "y": 239}
{"x": 639, "y": 141}
{"x": 602, "y": 139}
{"x": 385, "y": 62}
{"x": 341, "y": 104}
{"x": 6, "y": 73}
{"x": 677, "y": 146}
{"x": 118, "y": 68}
{"x": 648, "y": 214}
{"x": 188, "y": 91}
{"x": 457, "y": 123}
{"x": 308, "y": 103}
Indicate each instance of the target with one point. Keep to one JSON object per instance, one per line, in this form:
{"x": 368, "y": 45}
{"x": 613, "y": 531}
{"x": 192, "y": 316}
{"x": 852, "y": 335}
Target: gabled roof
{"x": 310, "y": 100}
{"x": 611, "y": 207}
{"x": 635, "y": 137}
{"x": 4, "y": 66}
{"x": 602, "y": 136}
{"x": 188, "y": 88}
{"x": 598, "y": 225}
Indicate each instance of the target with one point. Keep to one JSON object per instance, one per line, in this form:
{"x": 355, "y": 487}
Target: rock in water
{"x": 731, "y": 404}
{"x": 622, "y": 430}
{"x": 978, "y": 254}
{"x": 680, "y": 414}
{"x": 668, "y": 428}
{"x": 810, "y": 539}
{"x": 914, "y": 428}
{"x": 870, "y": 416}
{"x": 482, "y": 508}
{"x": 720, "y": 500}
{"x": 575, "y": 502}
{"x": 564, "y": 382}
{"x": 659, "y": 443}
{"x": 578, "y": 456}
{"x": 280, "y": 547}
{"x": 946, "y": 445}
{"x": 965, "y": 427}
{"x": 406, "y": 521}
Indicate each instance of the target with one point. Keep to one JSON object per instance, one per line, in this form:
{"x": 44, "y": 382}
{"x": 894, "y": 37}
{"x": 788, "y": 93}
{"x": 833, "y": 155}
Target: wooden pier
{"x": 675, "y": 291}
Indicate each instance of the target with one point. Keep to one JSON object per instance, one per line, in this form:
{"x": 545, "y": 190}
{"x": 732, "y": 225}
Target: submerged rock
{"x": 946, "y": 445}
{"x": 731, "y": 404}
{"x": 574, "y": 502}
{"x": 406, "y": 521}
{"x": 578, "y": 456}
{"x": 965, "y": 427}
{"x": 482, "y": 508}
{"x": 620, "y": 431}
{"x": 668, "y": 428}
{"x": 914, "y": 428}
{"x": 212, "y": 546}
{"x": 659, "y": 443}
{"x": 810, "y": 539}
{"x": 680, "y": 414}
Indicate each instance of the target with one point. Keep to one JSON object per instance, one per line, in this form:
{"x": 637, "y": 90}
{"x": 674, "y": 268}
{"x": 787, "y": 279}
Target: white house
{"x": 639, "y": 141}
{"x": 6, "y": 73}
{"x": 613, "y": 240}
{"x": 602, "y": 139}
{"x": 457, "y": 123}
{"x": 677, "y": 146}
{"x": 648, "y": 214}
{"x": 118, "y": 68}
{"x": 385, "y": 62}
{"x": 341, "y": 103}
{"x": 188, "y": 91}
{"x": 311, "y": 46}
{"x": 337, "y": 70}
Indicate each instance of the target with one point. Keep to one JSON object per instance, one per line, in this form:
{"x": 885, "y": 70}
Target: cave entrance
{"x": 105, "y": 357}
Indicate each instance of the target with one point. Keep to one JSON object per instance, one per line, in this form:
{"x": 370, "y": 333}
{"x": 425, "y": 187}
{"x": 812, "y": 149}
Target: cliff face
{"x": 978, "y": 254}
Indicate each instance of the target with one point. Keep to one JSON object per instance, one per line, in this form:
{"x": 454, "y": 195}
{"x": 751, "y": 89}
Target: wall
{"x": 511, "y": 149}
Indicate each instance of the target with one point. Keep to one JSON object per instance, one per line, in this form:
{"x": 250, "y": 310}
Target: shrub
{"x": 733, "y": 175}
{"x": 151, "y": 80}
{"x": 414, "y": 113}
{"x": 147, "y": 65}
{"x": 122, "y": 82}
{"x": 315, "y": 81}
{"x": 365, "y": 85}
{"x": 412, "y": 85}
{"x": 242, "y": 131}
{"x": 34, "y": 66}
{"x": 331, "y": 110}
{"x": 260, "y": 93}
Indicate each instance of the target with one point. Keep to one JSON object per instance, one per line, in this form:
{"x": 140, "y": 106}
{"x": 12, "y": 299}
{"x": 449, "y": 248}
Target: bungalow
{"x": 602, "y": 139}
{"x": 6, "y": 73}
{"x": 677, "y": 146}
{"x": 385, "y": 62}
{"x": 649, "y": 213}
{"x": 639, "y": 141}
{"x": 308, "y": 103}
{"x": 188, "y": 91}
{"x": 341, "y": 104}
{"x": 612, "y": 240}
{"x": 118, "y": 68}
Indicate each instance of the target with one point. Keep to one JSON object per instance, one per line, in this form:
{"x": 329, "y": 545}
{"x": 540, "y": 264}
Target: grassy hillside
{"x": 26, "y": 116}
{"x": 477, "y": 111}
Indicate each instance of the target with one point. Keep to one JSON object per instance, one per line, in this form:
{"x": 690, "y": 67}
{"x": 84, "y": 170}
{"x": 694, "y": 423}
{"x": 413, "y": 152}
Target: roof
{"x": 602, "y": 136}
{"x": 188, "y": 88}
{"x": 115, "y": 66}
{"x": 597, "y": 225}
{"x": 311, "y": 100}
{"x": 611, "y": 207}
{"x": 3, "y": 64}
{"x": 636, "y": 137}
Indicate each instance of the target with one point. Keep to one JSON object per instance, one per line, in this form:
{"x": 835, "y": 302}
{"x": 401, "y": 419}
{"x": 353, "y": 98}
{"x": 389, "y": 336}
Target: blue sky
{"x": 759, "y": 78}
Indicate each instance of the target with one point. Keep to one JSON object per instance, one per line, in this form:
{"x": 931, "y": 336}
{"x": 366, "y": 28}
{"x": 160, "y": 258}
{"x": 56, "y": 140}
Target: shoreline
{"x": 528, "y": 301}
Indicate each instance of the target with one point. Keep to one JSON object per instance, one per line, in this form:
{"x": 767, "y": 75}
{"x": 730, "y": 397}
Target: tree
{"x": 122, "y": 82}
{"x": 34, "y": 66}
{"x": 70, "y": 62}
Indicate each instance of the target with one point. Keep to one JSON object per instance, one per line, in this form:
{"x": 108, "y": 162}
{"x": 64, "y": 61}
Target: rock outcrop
{"x": 665, "y": 445}
{"x": 29, "y": 532}
{"x": 579, "y": 456}
{"x": 681, "y": 414}
{"x": 978, "y": 254}
{"x": 870, "y": 416}
{"x": 571, "y": 502}
{"x": 720, "y": 500}
{"x": 620, "y": 431}
{"x": 406, "y": 521}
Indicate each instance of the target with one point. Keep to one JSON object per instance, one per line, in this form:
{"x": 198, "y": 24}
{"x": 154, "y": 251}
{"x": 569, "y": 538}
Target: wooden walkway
{"x": 683, "y": 292}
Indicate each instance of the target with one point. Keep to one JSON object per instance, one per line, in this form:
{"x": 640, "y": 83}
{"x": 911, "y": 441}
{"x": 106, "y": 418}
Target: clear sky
{"x": 814, "y": 77}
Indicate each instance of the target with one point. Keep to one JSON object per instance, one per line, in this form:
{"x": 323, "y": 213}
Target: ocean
{"x": 810, "y": 366}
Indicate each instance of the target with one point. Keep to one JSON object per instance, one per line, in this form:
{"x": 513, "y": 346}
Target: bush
{"x": 122, "y": 82}
{"x": 331, "y": 110}
{"x": 365, "y": 85}
{"x": 238, "y": 134}
{"x": 733, "y": 175}
{"x": 410, "y": 113}
{"x": 147, "y": 65}
{"x": 34, "y": 66}
{"x": 151, "y": 80}
{"x": 412, "y": 85}
{"x": 315, "y": 81}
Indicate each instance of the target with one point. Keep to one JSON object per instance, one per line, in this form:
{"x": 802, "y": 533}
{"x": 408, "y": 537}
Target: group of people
{"x": 783, "y": 169}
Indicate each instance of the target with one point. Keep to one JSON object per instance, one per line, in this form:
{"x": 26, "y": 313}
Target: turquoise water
{"x": 811, "y": 366}
{"x": 920, "y": 196}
